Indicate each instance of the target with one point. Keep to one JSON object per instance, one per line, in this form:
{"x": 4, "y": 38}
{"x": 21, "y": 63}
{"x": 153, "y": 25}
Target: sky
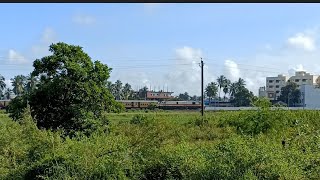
{"x": 160, "y": 45}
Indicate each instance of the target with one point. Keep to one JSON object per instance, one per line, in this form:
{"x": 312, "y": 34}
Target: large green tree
{"x": 243, "y": 97}
{"x": 72, "y": 92}
{"x": 290, "y": 94}
{"x": 211, "y": 90}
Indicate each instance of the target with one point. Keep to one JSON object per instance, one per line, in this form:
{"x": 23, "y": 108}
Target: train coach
{"x": 137, "y": 104}
{"x": 180, "y": 105}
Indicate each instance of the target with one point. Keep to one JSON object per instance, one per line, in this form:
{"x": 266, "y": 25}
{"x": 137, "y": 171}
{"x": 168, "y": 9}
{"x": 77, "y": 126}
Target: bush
{"x": 139, "y": 119}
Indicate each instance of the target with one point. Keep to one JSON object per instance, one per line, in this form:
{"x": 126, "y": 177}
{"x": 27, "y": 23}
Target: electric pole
{"x": 202, "y": 104}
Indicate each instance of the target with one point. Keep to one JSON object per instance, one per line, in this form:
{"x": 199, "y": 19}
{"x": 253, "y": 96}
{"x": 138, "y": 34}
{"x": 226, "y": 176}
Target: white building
{"x": 304, "y": 78}
{"x": 310, "y": 96}
{"x": 274, "y": 84}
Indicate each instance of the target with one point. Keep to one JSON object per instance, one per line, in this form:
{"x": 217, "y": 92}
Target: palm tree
{"x": 143, "y": 92}
{"x": 233, "y": 89}
{"x": 18, "y": 83}
{"x": 211, "y": 90}
{"x": 126, "y": 91}
{"x": 2, "y": 84}
{"x": 226, "y": 88}
{"x": 31, "y": 83}
{"x": 241, "y": 82}
{"x": 221, "y": 82}
{"x": 118, "y": 88}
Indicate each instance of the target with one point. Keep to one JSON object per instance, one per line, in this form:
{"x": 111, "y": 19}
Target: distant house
{"x": 159, "y": 95}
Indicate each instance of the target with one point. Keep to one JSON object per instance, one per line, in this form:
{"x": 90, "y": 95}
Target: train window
{"x": 193, "y": 102}
{"x": 177, "y": 102}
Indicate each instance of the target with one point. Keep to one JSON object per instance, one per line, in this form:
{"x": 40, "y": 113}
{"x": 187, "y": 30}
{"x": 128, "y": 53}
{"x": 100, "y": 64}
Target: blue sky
{"x": 239, "y": 40}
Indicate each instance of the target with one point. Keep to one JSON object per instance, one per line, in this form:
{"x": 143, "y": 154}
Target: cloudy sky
{"x": 160, "y": 45}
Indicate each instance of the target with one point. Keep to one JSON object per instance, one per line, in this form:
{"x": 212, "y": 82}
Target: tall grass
{"x": 168, "y": 145}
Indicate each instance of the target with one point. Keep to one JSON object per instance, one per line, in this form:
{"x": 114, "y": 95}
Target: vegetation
{"x": 260, "y": 144}
{"x": 211, "y": 90}
{"x": 290, "y": 94}
{"x": 71, "y": 93}
{"x": 68, "y": 94}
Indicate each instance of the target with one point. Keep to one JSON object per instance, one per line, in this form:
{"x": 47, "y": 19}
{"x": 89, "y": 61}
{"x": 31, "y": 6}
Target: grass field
{"x": 169, "y": 145}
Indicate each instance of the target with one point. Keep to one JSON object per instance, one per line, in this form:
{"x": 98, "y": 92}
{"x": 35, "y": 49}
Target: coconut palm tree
{"x": 233, "y": 88}
{"x": 126, "y": 91}
{"x": 221, "y": 82}
{"x": 31, "y": 83}
{"x": 241, "y": 82}
{"x": 226, "y": 88}
{"x": 118, "y": 89}
{"x": 18, "y": 83}
{"x": 2, "y": 84}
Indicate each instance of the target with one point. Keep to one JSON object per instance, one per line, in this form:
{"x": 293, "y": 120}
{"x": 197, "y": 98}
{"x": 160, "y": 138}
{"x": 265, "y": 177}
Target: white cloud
{"x": 185, "y": 74}
{"x": 303, "y": 41}
{"x": 83, "y": 19}
{"x": 48, "y": 37}
{"x": 16, "y": 58}
{"x": 232, "y": 70}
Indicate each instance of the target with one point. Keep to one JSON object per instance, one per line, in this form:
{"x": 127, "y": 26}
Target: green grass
{"x": 169, "y": 145}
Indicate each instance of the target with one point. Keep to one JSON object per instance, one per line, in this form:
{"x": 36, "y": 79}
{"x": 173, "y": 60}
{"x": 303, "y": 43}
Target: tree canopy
{"x": 211, "y": 90}
{"x": 290, "y": 94}
{"x": 71, "y": 88}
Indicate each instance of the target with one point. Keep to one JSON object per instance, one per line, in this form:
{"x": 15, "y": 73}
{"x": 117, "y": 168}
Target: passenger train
{"x": 143, "y": 104}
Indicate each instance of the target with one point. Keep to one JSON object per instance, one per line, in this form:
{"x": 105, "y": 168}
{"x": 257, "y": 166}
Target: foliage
{"x": 2, "y": 86}
{"x": 18, "y": 83}
{"x": 71, "y": 94}
{"x": 290, "y": 94}
{"x": 221, "y": 80}
{"x": 152, "y": 106}
{"x": 16, "y": 107}
{"x": 264, "y": 144}
{"x": 226, "y": 87}
{"x": 211, "y": 90}
{"x": 184, "y": 97}
{"x": 243, "y": 97}
{"x": 138, "y": 119}
{"x": 262, "y": 103}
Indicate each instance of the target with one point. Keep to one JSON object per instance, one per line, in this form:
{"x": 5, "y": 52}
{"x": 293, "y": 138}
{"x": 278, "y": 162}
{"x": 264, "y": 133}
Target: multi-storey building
{"x": 274, "y": 84}
{"x": 304, "y": 78}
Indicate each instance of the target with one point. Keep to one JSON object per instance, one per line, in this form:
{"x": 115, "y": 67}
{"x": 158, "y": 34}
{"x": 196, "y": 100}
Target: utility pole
{"x": 202, "y": 104}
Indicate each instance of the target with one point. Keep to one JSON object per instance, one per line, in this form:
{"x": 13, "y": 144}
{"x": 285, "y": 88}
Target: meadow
{"x": 259, "y": 144}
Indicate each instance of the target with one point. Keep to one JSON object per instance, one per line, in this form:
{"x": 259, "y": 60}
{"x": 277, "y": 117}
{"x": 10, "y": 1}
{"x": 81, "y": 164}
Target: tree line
{"x": 235, "y": 92}
{"x": 21, "y": 84}
{"x": 239, "y": 95}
